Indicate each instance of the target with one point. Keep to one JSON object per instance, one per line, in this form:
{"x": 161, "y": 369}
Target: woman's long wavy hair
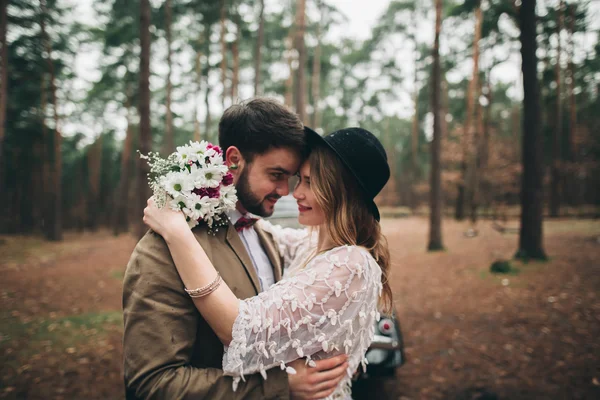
{"x": 347, "y": 215}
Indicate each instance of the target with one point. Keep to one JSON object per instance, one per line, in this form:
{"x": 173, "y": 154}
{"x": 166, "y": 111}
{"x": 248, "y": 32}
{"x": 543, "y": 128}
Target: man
{"x": 170, "y": 352}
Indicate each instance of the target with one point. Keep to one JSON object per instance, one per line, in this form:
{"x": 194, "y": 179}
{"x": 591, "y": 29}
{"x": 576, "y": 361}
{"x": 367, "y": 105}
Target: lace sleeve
{"x": 289, "y": 240}
{"x": 328, "y": 307}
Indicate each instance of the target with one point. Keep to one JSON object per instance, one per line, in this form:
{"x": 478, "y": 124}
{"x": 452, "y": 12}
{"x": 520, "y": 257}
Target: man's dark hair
{"x": 257, "y": 125}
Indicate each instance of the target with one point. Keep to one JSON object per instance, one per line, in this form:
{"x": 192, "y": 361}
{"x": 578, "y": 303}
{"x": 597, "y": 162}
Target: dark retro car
{"x": 386, "y": 352}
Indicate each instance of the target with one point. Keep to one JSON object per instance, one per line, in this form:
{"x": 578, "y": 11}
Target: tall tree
{"x": 289, "y": 82}
{"x": 532, "y": 191}
{"x": 120, "y": 215}
{"x": 435, "y": 197}
{"x": 469, "y": 131}
{"x": 207, "y": 117}
{"x": 572, "y": 101}
{"x": 198, "y": 71}
{"x": 414, "y": 137}
{"x": 3, "y": 84}
{"x": 316, "y": 77}
{"x": 300, "y": 89}
{"x": 259, "y": 45}
{"x": 169, "y": 139}
{"x": 54, "y": 216}
{"x": 145, "y": 142}
{"x": 223, "y": 32}
{"x": 235, "y": 52}
{"x": 94, "y": 157}
{"x": 556, "y": 139}
{"x": 572, "y": 181}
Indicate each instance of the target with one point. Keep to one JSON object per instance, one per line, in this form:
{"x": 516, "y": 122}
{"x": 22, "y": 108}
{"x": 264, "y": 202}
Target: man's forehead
{"x": 285, "y": 160}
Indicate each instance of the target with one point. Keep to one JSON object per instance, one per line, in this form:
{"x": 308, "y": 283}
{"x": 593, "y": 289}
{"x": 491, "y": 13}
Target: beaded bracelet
{"x": 205, "y": 290}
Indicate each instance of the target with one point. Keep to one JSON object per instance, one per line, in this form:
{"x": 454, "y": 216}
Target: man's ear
{"x": 234, "y": 160}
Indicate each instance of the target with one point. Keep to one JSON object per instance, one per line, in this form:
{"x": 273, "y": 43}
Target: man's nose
{"x": 283, "y": 189}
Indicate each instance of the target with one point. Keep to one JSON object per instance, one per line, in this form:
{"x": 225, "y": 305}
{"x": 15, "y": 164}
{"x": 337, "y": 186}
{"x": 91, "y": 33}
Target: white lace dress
{"x": 318, "y": 310}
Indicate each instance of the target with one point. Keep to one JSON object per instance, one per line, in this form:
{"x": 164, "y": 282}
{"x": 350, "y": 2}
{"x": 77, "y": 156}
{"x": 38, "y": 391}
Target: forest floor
{"x": 469, "y": 334}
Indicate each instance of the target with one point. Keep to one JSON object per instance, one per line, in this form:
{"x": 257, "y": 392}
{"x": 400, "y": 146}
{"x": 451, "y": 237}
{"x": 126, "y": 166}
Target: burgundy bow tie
{"x": 244, "y": 222}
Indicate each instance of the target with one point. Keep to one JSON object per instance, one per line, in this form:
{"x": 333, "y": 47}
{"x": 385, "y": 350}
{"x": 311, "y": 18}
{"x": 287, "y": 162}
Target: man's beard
{"x": 249, "y": 200}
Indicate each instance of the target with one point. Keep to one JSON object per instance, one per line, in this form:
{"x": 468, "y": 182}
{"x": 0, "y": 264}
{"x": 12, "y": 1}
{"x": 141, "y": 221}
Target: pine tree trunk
{"x": 485, "y": 193}
{"x": 207, "y": 119}
{"x": 414, "y": 137}
{"x": 390, "y": 194}
{"x": 94, "y": 171}
{"x": 3, "y": 86}
{"x": 81, "y": 204}
{"x": 223, "y": 52}
{"x": 54, "y": 226}
{"x": 435, "y": 203}
{"x": 235, "y": 50}
{"x": 573, "y": 181}
{"x": 485, "y": 153}
{"x": 316, "y": 79}
{"x": 475, "y": 161}
{"x": 169, "y": 140}
{"x": 258, "y": 54}
{"x": 300, "y": 89}
{"x": 466, "y": 165}
{"x": 197, "y": 136}
{"x": 532, "y": 191}
{"x": 289, "y": 83}
{"x": 121, "y": 216}
{"x": 572, "y": 101}
{"x": 555, "y": 177}
{"x": 145, "y": 142}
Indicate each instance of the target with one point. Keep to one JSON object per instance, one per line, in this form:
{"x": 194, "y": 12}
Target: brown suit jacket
{"x": 170, "y": 352}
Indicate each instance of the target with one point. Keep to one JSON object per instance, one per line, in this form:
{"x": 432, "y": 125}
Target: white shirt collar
{"x": 234, "y": 215}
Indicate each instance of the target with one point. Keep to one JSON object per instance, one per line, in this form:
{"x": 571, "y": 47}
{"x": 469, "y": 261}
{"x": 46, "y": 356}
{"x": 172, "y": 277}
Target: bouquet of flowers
{"x": 195, "y": 180}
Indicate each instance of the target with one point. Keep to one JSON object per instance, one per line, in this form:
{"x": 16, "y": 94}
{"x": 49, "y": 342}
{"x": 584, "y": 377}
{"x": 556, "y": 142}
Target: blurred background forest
{"x": 85, "y": 85}
{"x": 489, "y": 111}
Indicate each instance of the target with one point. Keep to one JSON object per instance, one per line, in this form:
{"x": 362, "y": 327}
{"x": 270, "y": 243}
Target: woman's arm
{"x": 221, "y": 307}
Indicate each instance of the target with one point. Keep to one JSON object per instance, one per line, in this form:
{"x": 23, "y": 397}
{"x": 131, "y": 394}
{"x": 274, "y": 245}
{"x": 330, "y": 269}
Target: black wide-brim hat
{"x": 364, "y": 156}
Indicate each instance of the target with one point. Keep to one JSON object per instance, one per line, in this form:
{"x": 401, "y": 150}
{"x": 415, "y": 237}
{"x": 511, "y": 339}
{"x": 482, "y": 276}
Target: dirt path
{"x": 468, "y": 334}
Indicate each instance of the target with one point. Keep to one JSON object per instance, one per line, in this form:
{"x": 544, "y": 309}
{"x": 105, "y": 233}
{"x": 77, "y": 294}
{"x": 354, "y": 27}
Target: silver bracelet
{"x": 205, "y": 290}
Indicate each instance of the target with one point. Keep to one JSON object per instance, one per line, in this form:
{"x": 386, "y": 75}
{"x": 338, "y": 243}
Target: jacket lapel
{"x": 233, "y": 240}
{"x": 269, "y": 246}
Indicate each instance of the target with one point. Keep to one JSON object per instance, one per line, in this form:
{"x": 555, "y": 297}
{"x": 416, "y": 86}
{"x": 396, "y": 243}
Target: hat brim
{"x": 313, "y": 138}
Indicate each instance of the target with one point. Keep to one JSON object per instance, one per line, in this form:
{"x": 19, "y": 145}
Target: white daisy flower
{"x": 198, "y": 148}
{"x": 177, "y": 183}
{"x": 209, "y": 177}
{"x": 228, "y": 196}
{"x": 185, "y": 154}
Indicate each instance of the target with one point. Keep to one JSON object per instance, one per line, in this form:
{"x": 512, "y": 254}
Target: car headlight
{"x": 376, "y": 356}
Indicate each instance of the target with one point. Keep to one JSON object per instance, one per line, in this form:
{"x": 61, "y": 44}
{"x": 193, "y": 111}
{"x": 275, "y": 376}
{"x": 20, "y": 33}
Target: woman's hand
{"x": 164, "y": 221}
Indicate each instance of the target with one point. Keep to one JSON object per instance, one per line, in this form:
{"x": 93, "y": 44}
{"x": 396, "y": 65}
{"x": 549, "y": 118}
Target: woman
{"x": 334, "y": 280}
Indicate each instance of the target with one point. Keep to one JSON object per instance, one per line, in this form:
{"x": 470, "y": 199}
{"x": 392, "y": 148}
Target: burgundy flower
{"x": 216, "y": 148}
{"x": 202, "y": 192}
{"x": 227, "y": 179}
{"x": 213, "y": 193}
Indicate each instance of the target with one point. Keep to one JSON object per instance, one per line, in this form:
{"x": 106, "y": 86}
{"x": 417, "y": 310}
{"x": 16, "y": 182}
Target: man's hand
{"x": 311, "y": 383}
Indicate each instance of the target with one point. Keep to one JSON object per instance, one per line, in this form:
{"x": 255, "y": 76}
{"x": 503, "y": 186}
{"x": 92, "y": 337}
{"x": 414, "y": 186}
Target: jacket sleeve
{"x": 160, "y": 325}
